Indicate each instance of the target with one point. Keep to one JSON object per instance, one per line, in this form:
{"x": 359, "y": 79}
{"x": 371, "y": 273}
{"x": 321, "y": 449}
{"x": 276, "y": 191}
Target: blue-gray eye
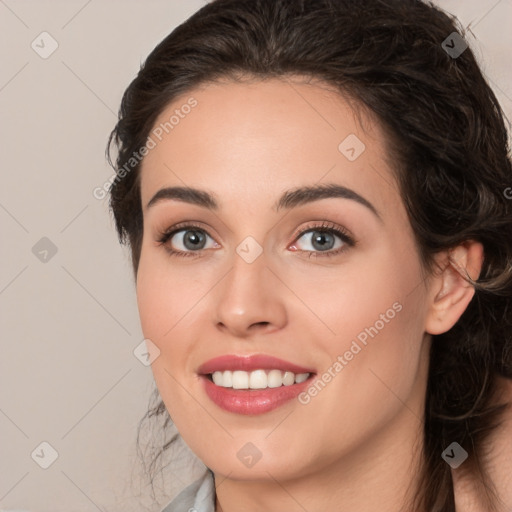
{"x": 188, "y": 239}
{"x": 322, "y": 240}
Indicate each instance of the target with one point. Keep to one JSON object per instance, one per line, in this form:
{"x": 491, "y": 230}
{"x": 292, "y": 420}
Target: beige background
{"x": 69, "y": 325}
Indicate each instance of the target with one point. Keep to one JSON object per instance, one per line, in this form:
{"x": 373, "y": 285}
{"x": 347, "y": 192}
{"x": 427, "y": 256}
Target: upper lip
{"x": 249, "y": 363}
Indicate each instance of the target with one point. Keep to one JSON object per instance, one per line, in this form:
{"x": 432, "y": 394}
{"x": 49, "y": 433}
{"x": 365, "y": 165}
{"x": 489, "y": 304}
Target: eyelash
{"x": 325, "y": 227}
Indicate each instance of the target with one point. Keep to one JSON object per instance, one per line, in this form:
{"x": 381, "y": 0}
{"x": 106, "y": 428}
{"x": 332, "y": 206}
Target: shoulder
{"x": 199, "y": 496}
{"x": 497, "y": 461}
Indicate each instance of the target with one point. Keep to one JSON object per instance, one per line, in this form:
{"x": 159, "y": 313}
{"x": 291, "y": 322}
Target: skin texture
{"x": 247, "y": 143}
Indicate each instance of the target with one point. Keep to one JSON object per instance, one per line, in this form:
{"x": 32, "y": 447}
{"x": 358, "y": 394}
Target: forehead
{"x": 250, "y": 137}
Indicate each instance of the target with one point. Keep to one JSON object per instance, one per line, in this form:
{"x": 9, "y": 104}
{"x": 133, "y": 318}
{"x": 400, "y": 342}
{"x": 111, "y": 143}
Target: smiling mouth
{"x": 256, "y": 379}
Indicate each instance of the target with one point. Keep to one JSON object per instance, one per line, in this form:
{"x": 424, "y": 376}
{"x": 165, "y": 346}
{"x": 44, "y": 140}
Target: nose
{"x": 249, "y": 300}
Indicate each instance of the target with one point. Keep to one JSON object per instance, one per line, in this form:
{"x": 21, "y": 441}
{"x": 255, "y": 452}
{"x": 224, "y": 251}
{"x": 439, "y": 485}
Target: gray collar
{"x": 197, "y": 497}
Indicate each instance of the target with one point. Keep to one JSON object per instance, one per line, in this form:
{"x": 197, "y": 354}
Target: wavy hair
{"x": 449, "y": 143}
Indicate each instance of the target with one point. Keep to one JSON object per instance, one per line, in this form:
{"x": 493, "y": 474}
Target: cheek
{"x": 363, "y": 386}
{"x": 161, "y": 306}
{"x": 367, "y": 292}
{"x": 164, "y": 295}
{"x": 167, "y": 299}
{"x": 375, "y": 315}
{"x": 151, "y": 300}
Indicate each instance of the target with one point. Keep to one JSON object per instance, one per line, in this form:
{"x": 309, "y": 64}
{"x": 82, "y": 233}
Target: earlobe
{"x": 450, "y": 291}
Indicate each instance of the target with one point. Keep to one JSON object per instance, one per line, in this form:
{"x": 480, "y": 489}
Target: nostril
{"x": 262, "y": 324}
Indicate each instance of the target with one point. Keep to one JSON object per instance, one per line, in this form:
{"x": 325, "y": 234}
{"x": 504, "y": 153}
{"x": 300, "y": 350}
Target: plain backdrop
{"x": 69, "y": 320}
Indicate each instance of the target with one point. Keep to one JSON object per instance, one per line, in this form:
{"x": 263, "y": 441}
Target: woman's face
{"x": 349, "y": 308}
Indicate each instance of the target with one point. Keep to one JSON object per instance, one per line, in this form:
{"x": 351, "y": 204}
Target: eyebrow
{"x": 290, "y": 198}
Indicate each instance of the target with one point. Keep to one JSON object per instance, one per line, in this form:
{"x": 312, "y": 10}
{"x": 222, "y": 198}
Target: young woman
{"x": 317, "y": 198}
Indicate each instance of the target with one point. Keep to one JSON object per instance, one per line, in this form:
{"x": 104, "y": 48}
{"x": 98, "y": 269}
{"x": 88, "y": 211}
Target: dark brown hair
{"x": 447, "y": 137}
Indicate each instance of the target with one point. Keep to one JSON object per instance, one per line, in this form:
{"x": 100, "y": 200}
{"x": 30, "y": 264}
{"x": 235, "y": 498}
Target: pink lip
{"x": 252, "y": 401}
{"x": 250, "y": 363}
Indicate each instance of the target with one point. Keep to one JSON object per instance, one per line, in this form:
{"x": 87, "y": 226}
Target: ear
{"x": 450, "y": 293}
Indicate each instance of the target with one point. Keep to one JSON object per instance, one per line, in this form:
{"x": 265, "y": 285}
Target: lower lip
{"x": 252, "y": 401}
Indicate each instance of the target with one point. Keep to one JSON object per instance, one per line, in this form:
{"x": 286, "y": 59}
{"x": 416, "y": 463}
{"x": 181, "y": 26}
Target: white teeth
{"x": 274, "y": 379}
{"x": 257, "y": 379}
{"x": 288, "y": 378}
{"x": 240, "y": 380}
{"x": 224, "y": 379}
{"x": 227, "y": 378}
{"x": 217, "y": 378}
{"x": 301, "y": 377}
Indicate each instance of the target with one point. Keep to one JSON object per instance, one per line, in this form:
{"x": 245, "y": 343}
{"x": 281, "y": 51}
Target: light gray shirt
{"x": 197, "y": 497}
